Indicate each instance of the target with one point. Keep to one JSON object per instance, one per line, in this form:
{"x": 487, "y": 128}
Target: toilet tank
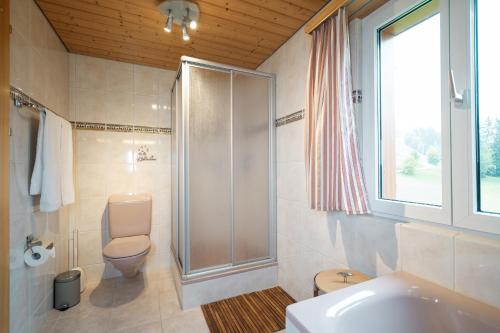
{"x": 129, "y": 214}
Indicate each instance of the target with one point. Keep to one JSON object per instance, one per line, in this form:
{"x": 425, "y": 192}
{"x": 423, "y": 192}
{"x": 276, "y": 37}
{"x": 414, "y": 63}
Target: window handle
{"x": 457, "y": 97}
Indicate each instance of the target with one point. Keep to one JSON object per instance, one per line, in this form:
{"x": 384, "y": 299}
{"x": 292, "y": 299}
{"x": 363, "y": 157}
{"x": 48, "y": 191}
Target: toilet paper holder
{"x": 32, "y": 242}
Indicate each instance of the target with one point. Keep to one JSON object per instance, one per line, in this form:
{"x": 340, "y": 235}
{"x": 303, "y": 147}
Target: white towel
{"x": 67, "y": 185}
{"x": 36, "y": 176}
{"x": 52, "y": 176}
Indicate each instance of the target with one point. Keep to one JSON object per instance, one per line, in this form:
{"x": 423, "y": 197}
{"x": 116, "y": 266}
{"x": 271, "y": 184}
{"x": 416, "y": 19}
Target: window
{"x": 410, "y": 131}
{"x": 488, "y": 106}
{"x": 431, "y": 116}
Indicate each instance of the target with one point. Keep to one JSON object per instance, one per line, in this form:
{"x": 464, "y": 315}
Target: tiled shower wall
{"x": 39, "y": 66}
{"x": 310, "y": 241}
{"x": 104, "y": 91}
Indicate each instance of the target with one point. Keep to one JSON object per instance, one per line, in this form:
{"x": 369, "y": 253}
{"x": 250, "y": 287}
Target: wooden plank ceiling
{"x": 236, "y": 32}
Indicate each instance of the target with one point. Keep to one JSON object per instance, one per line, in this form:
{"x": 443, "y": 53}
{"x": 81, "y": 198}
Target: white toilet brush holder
{"x": 83, "y": 276}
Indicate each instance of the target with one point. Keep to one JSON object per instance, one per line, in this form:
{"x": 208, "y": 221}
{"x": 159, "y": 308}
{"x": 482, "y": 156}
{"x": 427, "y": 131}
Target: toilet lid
{"x": 122, "y": 247}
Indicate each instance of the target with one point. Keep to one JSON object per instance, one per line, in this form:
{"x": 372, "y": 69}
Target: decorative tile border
{"x": 88, "y": 126}
{"x": 120, "y": 128}
{"x": 289, "y": 118}
{"x": 23, "y": 100}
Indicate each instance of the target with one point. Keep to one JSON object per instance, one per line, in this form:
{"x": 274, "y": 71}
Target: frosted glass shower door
{"x": 250, "y": 166}
{"x": 209, "y": 165}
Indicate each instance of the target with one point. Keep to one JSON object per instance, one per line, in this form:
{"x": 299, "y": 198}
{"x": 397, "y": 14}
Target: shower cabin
{"x": 223, "y": 183}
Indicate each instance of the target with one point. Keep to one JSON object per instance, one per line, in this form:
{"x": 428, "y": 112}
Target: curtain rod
{"x": 22, "y": 99}
{"x": 330, "y": 9}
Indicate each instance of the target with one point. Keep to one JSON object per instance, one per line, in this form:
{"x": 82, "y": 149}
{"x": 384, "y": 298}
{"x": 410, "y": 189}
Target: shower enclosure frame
{"x": 182, "y": 258}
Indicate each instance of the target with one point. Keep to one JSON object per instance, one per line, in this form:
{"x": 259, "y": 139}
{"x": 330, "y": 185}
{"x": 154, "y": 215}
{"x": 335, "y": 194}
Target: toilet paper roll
{"x": 36, "y": 256}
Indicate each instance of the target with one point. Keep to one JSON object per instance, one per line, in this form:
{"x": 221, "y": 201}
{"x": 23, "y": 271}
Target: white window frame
{"x": 459, "y": 202}
{"x": 463, "y": 120}
{"x": 371, "y": 130}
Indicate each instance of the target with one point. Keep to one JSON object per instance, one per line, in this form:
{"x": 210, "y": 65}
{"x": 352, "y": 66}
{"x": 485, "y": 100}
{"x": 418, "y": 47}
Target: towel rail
{"x": 21, "y": 99}
{"x": 290, "y": 118}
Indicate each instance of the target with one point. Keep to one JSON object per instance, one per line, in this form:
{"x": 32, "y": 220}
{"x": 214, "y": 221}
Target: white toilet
{"x": 129, "y": 227}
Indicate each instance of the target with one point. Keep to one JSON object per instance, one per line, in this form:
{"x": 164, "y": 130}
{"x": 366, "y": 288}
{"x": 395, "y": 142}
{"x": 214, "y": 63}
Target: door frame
{"x": 4, "y": 164}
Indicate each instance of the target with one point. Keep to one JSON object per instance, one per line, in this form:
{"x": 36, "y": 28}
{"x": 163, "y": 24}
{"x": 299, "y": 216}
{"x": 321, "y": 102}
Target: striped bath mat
{"x": 260, "y": 312}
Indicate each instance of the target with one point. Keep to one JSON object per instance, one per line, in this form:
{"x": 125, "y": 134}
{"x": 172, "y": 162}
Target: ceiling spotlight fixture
{"x": 181, "y": 12}
{"x": 193, "y": 25}
{"x": 185, "y": 34}
{"x": 170, "y": 21}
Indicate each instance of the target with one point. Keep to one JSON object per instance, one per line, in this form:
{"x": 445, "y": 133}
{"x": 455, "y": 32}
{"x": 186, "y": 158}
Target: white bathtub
{"x": 395, "y": 303}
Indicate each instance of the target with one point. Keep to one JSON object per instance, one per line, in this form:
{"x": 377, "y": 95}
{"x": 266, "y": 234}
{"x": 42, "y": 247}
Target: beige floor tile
{"x": 154, "y": 327}
{"x": 126, "y": 291}
{"x": 95, "y": 321}
{"x": 189, "y": 321}
{"x": 143, "y": 310}
{"x": 167, "y": 285}
{"x": 147, "y": 303}
{"x": 169, "y": 305}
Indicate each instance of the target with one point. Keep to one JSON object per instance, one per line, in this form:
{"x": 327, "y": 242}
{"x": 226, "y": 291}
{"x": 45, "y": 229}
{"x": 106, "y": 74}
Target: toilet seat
{"x": 123, "y": 247}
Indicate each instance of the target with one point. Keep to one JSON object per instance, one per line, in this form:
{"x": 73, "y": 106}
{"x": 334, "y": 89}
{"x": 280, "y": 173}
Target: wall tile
{"x": 91, "y": 214}
{"x": 72, "y": 103}
{"x": 120, "y": 148}
{"x": 20, "y": 56}
{"x": 119, "y": 77}
{"x": 91, "y": 180}
{"x": 162, "y": 152}
{"x": 91, "y": 73}
{"x": 90, "y": 247}
{"x": 165, "y": 235}
{"x": 146, "y": 80}
{"x": 155, "y": 240}
{"x": 38, "y": 28}
{"x": 291, "y": 181}
{"x": 39, "y": 66}
{"x": 146, "y": 177}
{"x": 428, "y": 252}
{"x": 21, "y": 202}
{"x": 38, "y": 73}
{"x": 165, "y": 82}
{"x": 37, "y": 285}
{"x": 477, "y": 268}
{"x": 20, "y": 320}
{"x": 164, "y": 208}
{"x": 373, "y": 245}
{"x": 106, "y": 161}
{"x": 292, "y": 142}
{"x": 146, "y": 110}
{"x": 92, "y": 146}
{"x": 164, "y": 112}
{"x": 24, "y": 124}
{"x": 20, "y": 16}
{"x": 119, "y": 178}
{"x": 72, "y": 59}
{"x": 118, "y": 108}
{"x": 91, "y": 105}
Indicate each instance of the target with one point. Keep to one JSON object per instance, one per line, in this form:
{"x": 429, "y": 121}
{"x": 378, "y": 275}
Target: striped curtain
{"x": 334, "y": 177}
